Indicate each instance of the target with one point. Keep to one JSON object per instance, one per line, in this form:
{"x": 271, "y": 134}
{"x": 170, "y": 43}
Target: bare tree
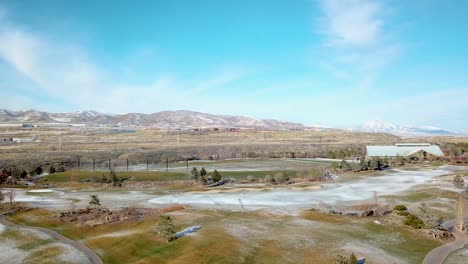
{"x": 459, "y": 182}
{"x": 2, "y": 197}
{"x": 95, "y": 202}
{"x": 428, "y": 216}
{"x": 11, "y": 195}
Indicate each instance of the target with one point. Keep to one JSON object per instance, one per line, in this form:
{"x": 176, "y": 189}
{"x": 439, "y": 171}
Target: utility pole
{"x": 79, "y": 164}
{"x": 167, "y": 164}
{"x": 186, "y": 164}
{"x": 127, "y": 165}
{"x": 60, "y": 141}
{"x": 110, "y": 166}
{"x": 178, "y": 137}
{"x": 147, "y": 164}
{"x": 94, "y": 165}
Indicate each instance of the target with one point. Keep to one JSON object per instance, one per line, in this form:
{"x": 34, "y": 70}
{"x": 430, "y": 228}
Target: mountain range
{"x": 400, "y": 130}
{"x": 183, "y": 119}
{"x": 180, "y": 119}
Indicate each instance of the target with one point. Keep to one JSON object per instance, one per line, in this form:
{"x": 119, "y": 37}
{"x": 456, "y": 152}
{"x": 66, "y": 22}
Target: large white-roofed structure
{"x": 404, "y": 150}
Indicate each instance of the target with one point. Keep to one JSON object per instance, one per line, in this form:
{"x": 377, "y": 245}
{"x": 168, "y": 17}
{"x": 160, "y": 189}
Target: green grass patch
{"x": 75, "y": 176}
{"x": 242, "y": 175}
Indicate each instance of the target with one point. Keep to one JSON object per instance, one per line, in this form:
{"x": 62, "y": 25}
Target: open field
{"x": 241, "y": 223}
{"x": 252, "y": 237}
{"x": 270, "y": 224}
{"x": 66, "y": 145}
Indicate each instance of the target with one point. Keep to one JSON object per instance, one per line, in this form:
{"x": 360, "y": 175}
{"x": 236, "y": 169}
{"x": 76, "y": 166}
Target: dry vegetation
{"x": 244, "y": 237}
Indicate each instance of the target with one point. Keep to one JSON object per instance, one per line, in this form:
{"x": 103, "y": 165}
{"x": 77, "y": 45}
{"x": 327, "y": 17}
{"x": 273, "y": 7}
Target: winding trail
{"x": 439, "y": 254}
{"x": 91, "y": 255}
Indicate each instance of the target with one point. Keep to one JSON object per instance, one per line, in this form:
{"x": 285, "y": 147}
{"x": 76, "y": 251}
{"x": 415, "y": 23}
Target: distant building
{"x": 419, "y": 151}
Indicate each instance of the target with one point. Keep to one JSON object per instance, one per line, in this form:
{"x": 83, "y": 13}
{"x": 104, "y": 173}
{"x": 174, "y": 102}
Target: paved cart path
{"x": 439, "y": 254}
{"x": 91, "y": 255}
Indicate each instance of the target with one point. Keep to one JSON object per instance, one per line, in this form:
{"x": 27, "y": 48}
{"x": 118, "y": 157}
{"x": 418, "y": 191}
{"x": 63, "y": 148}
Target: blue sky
{"x": 338, "y": 63}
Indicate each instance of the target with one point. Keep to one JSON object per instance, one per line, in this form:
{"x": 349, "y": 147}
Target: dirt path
{"x": 439, "y": 254}
{"x": 92, "y": 257}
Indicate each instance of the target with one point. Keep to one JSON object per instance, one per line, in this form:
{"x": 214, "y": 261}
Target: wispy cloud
{"x": 66, "y": 73}
{"x": 354, "y": 41}
{"x": 351, "y": 22}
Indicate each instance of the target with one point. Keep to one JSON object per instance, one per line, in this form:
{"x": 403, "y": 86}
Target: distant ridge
{"x": 180, "y": 119}
{"x": 399, "y": 130}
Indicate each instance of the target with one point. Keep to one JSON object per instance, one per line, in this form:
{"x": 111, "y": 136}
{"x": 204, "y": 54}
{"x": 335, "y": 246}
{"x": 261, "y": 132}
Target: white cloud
{"x": 66, "y": 73}
{"x": 356, "y": 47}
{"x": 351, "y": 22}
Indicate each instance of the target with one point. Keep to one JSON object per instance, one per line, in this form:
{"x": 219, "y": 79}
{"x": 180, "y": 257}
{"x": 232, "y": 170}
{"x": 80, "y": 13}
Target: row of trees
{"x": 204, "y": 178}
{"x": 20, "y": 174}
{"x": 374, "y": 163}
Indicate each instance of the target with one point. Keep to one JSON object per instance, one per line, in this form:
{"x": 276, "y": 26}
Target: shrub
{"x": 281, "y": 177}
{"x": 400, "y": 207}
{"x": 269, "y": 179}
{"x": 403, "y": 213}
{"x": 353, "y": 259}
{"x": 413, "y": 221}
{"x": 165, "y": 227}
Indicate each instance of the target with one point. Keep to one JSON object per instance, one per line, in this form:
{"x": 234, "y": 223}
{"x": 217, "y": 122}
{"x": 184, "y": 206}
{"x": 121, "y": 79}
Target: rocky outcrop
{"x": 101, "y": 216}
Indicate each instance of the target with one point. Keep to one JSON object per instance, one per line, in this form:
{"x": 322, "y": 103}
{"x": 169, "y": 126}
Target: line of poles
{"x": 127, "y": 164}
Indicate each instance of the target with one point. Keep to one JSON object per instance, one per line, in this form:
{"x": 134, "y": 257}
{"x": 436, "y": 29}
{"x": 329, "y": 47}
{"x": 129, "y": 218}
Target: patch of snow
{"x": 391, "y": 182}
{"x": 41, "y": 191}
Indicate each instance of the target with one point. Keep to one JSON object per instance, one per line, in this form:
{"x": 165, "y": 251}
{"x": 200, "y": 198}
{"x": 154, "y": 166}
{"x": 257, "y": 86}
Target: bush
{"x": 400, "y": 207}
{"x": 403, "y": 213}
{"x": 165, "y": 227}
{"x": 269, "y": 179}
{"x": 413, "y": 221}
{"x": 281, "y": 177}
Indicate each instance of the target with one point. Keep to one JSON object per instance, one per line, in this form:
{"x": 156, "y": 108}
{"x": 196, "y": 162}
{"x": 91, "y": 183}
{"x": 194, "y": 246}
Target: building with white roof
{"x": 412, "y": 150}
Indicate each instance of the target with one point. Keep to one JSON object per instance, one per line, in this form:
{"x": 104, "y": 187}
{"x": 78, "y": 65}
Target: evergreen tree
{"x": 203, "y": 172}
{"x": 216, "y": 176}
{"x": 194, "y": 173}
{"x": 51, "y": 169}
